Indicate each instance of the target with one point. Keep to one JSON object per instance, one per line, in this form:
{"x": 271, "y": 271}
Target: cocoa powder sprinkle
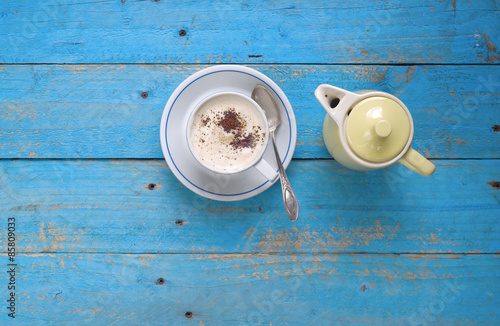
{"x": 205, "y": 121}
{"x": 230, "y": 121}
{"x": 240, "y": 141}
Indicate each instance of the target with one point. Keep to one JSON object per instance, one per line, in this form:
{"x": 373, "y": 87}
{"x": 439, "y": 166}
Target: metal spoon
{"x": 268, "y": 104}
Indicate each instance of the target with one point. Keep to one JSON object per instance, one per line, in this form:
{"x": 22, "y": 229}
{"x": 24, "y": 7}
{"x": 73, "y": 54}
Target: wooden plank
{"x": 62, "y": 31}
{"x": 107, "y": 206}
{"x": 112, "y": 289}
{"x": 97, "y": 111}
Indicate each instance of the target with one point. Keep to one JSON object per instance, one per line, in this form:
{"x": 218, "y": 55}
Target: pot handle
{"x": 415, "y": 161}
{"x": 336, "y": 101}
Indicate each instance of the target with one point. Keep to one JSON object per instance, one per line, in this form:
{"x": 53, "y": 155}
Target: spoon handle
{"x": 289, "y": 198}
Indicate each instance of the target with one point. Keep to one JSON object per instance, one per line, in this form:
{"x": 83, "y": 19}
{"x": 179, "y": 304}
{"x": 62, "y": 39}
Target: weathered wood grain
{"x": 107, "y": 206}
{"x": 108, "y": 289}
{"x": 97, "y": 111}
{"x": 103, "y": 242}
{"x": 64, "y": 31}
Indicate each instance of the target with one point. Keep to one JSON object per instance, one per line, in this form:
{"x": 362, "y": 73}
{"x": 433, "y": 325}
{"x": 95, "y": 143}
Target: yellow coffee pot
{"x": 369, "y": 130}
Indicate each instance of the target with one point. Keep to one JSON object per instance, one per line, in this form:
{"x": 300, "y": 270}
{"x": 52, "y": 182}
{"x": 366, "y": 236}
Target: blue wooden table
{"x": 104, "y": 234}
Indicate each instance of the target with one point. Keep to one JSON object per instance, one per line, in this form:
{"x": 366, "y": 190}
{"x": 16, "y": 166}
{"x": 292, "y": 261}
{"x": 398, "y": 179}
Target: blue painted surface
{"x": 131, "y": 31}
{"x": 324, "y": 289}
{"x": 105, "y": 233}
{"x": 71, "y": 111}
{"x": 106, "y": 206}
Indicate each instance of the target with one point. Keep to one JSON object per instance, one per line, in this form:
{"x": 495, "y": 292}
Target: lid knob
{"x": 383, "y": 128}
{"x": 378, "y": 129}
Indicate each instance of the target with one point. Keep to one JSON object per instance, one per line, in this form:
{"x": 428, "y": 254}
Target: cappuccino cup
{"x": 227, "y": 133}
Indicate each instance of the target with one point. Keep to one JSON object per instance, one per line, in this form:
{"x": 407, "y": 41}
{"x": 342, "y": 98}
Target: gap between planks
{"x": 248, "y": 64}
{"x": 162, "y": 159}
{"x": 348, "y": 253}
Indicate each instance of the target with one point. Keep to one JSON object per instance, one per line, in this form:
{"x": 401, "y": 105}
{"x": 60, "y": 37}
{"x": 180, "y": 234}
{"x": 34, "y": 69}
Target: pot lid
{"x": 378, "y": 129}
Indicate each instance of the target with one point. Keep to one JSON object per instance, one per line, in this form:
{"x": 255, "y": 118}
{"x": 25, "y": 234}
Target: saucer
{"x": 212, "y": 185}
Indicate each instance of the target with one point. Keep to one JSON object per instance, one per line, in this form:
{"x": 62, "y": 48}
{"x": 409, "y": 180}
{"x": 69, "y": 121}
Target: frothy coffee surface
{"x": 226, "y": 134}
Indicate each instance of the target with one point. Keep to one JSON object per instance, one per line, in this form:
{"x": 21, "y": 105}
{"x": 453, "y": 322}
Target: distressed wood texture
{"x": 107, "y": 206}
{"x": 97, "y": 111}
{"x": 108, "y": 289}
{"x": 64, "y": 31}
{"x": 106, "y": 235}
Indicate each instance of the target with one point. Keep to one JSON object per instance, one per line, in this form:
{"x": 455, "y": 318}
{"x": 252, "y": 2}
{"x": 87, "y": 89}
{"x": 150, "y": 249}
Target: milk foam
{"x": 222, "y": 149}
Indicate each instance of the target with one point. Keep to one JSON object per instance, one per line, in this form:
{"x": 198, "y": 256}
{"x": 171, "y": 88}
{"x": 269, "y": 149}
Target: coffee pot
{"x": 367, "y": 130}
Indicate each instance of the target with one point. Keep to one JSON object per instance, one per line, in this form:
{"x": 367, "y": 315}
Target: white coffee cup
{"x": 240, "y": 103}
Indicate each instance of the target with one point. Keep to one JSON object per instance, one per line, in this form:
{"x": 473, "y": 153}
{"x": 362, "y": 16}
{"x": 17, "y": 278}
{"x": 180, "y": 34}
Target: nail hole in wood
{"x": 182, "y": 33}
{"x": 494, "y": 184}
{"x": 334, "y": 103}
{"x": 179, "y": 222}
{"x": 363, "y": 288}
{"x": 144, "y": 94}
{"x": 189, "y": 315}
{"x": 160, "y": 281}
{"x": 151, "y": 186}
{"x": 496, "y": 128}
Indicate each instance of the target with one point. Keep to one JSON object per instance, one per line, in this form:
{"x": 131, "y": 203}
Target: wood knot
{"x": 494, "y": 184}
{"x": 160, "y": 281}
{"x": 179, "y": 222}
{"x": 144, "y": 94}
{"x": 363, "y": 288}
{"x": 496, "y": 128}
{"x": 188, "y": 315}
{"x": 152, "y": 186}
{"x": 182, "y": 33}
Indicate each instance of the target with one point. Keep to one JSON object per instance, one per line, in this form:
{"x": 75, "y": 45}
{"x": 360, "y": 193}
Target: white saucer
{"x": 223, "y": 78}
